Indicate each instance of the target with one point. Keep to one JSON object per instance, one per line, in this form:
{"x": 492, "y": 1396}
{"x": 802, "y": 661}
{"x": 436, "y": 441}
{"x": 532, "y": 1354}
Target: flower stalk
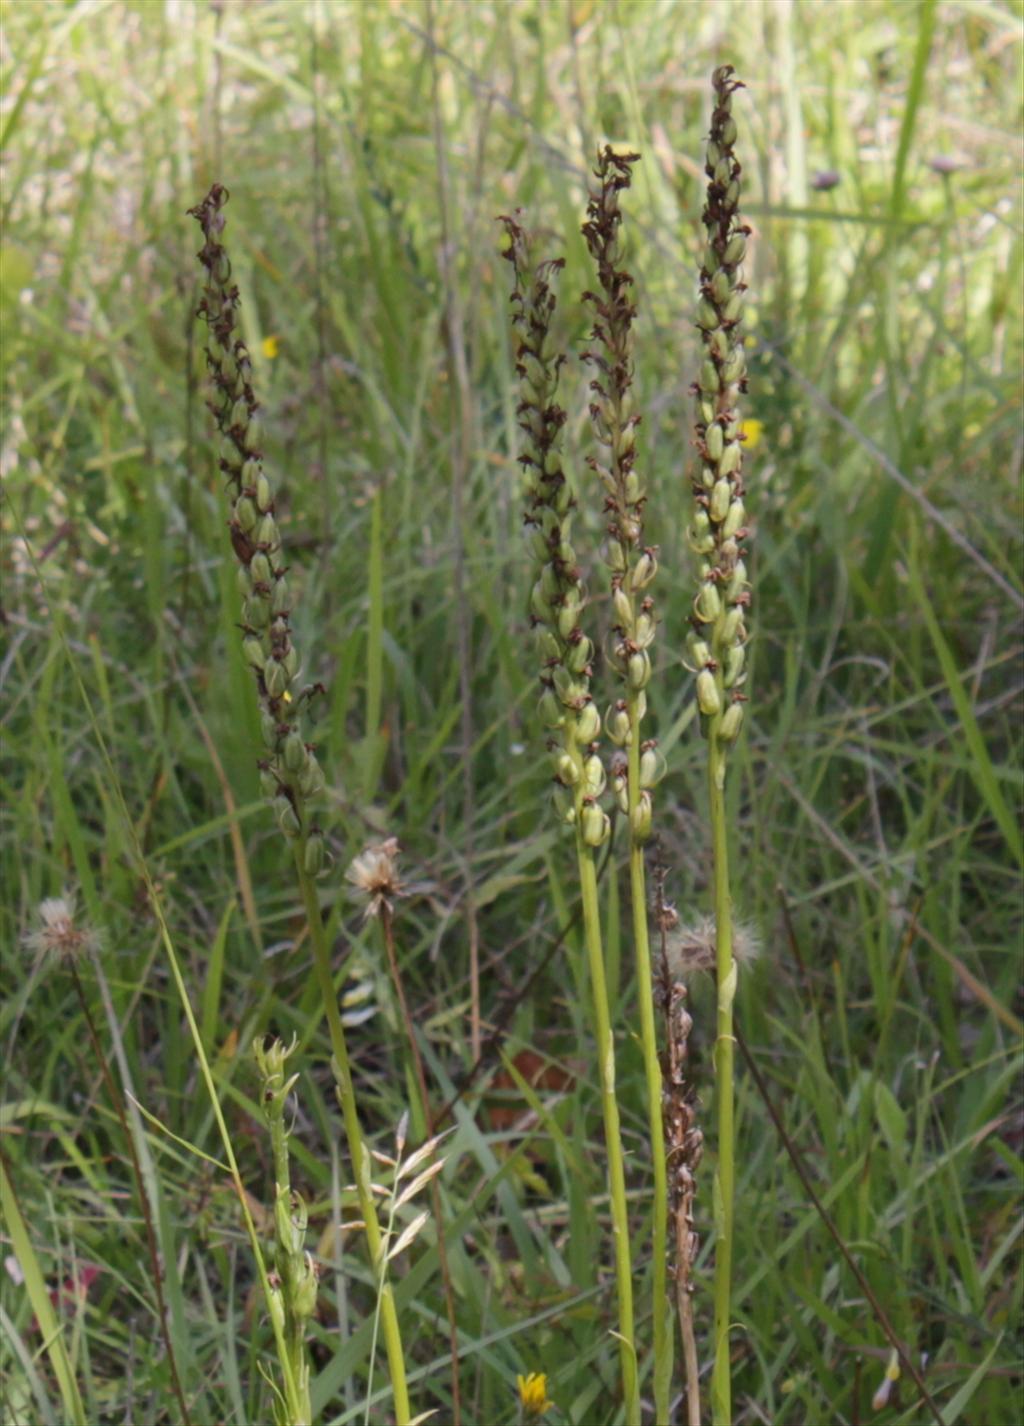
{"x": 718, "y": 637}
{"x": 290, "y": 774}
{"x": 567, "y": 709}
{"x": 638, "y": 767}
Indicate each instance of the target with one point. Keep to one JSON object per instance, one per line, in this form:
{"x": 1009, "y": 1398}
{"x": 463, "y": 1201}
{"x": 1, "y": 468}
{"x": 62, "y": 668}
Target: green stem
{"x": 612, "y": 1131}
{"x": 652, "y": 1071}
{"x": 357, "y": 1151}
{"x": 721, "y": 1391}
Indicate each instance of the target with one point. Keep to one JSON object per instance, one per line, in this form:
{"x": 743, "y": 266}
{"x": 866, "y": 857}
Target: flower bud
{"x": 275, "y": 1306}
{"x": 304, "y": 1293}
{"x": 641, "y": 820}
{"x": 588, "y": 724}
{"x": 708, "y": 698}
{"x": 594, "y": 826}
{"x": 732, "y": 722}
{"x": 721, "y": 497}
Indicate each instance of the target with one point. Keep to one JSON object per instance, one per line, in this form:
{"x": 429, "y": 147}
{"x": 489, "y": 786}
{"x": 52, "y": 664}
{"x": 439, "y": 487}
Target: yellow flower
{"x": 533, "y": 1394}
{"x": 752, "y": 433}
{"x": 269, "y": 347}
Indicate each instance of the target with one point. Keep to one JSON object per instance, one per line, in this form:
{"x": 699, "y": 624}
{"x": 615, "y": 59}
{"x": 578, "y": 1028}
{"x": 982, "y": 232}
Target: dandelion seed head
{"x": 374, "y": 874}
{"x": 692, "y": 948}
{"x": 59, "y": 933}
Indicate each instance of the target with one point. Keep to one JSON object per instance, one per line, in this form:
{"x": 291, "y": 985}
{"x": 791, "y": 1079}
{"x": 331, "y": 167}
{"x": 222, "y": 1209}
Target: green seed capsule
{"x": 708, "y": 698}
{"x": 595, "y": 778}
{"x": 244, "y": 581}
{"x": 281, "y": 599}
{"x": 252, "y": 651}
{"x": 734, "y": 520}
{"x": 579, "y": 655}
{"x": 253, "y": 432}
{"x": 733, "y": 628}
{"x": 267, "y": 533}
{"x": 275, "y": 1307}
{"x": 566, "y": 770}
{"x": 735, "y": 249}
{"x": 588, "y": 724}
{"x": 641, "y": 821}
{"x": 623, "y": 607}
{"x": 714, "y": 440}
{"x": 230, "y": 454}
{"x": 257, "y": 611}
{"x": 709, "y": 380}
{"x": 721, "y": 497}
{"x": 595, "y": 826}
{"x": 239, "y": 414}
{"x": 540, "y": 605}
{"x": 268, "y": 730}
{"x": 699, "y": 651}
{"x": 568, "y": 617}
{"x": 313, "y": 855}
{"x": 305, "y": 1291}
{"x": 731, "y": 458}
{"x": 275, "y": 677}
{"x": 295, "y": 754}
{"x": 735, "y": 367}
{"x": 735, "y": 658}
{"x": 643, "y": 634}
{"x": 723, "y": 171}
{"x": 264, "y": 494}
{"x": 644, "y": 571}
{"x": 732, "y": 194}
{"x": 290, "y": 660}
{"x": 638, "y": 670}
{"x": 707, "y": 411}
{"x": 721, "y": 288}
{"x": 732, "y": 312}
{"x": 311, "y": 778}
{"x": 245, "y": 514}
{"x": 708, "y": 604}
{"x": 737, "y": 583}
{"x": 732, "y": 722}
{"x": 616, "y": 723}
{"x": 259, "y": 568}
{"x": 268, "y": 782}
{"x": 713, "y": 154}
{"x": 727, "y": 132}
{"x": 287, "y": 819}
{"x": 707, "y": 315}
{"x": 652, "y": 767}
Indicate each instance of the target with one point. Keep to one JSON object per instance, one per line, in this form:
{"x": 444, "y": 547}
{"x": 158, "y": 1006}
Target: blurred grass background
{"x": 368, "y": 149}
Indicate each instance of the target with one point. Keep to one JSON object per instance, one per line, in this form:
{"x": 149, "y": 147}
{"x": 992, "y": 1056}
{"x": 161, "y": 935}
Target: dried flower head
{"x": 692, "y": 948}
{"x": 59, "y": 934}
{"x": 374, "y": 874}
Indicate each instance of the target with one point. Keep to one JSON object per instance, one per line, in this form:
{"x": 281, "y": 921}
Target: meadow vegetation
{"x": 432, "y": 934}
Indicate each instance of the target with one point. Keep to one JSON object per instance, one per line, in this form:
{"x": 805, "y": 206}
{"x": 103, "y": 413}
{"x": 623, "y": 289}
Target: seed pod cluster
{"x": 718, "y": 531}
{"x": 615, "y": 420}
{"x": 293, "y": 1284}
{"x": 289, "y": 772}
{"x": 557, "y": 598}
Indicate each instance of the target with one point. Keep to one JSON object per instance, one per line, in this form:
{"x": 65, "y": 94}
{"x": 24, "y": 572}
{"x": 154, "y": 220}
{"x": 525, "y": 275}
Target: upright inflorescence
{"x": 557, "y": 598}
{"x": 719, "y": 529}
{"x": 615, "y": 419}
{"x": 290, "y": 774}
